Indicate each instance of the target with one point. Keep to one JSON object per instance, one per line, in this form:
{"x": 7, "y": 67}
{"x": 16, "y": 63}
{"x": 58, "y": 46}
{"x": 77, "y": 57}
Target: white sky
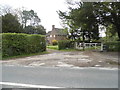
{"x": 45, "y": 9}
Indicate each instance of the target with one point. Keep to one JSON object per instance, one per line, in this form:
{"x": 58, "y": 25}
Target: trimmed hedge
{"x": 17, "y": 44}
{"x": 65, "y": 44}
{"x": 113, "y": 46}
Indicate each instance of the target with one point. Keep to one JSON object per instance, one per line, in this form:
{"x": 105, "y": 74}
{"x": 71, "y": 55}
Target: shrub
{"x": 65, "y": 44}
{"x": 54, "y": 42}
{"x": 113, "y": 46}
{"x": 16, "y": 44}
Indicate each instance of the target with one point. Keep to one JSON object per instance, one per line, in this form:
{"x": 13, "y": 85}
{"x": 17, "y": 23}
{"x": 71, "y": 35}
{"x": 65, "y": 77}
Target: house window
{"x": 50, "y": 35}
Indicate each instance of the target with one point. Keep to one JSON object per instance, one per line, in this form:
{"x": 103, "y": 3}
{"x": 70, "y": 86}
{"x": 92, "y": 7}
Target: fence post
{"x": 101, "y": 46}
{"x": 95, "y": 45}
{"x": 83, "y": 46}
{"x": 75, "y": 45}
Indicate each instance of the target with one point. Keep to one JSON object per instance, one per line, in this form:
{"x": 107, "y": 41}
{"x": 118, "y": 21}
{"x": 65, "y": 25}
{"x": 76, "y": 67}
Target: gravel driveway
{"x": 68, "y": 59}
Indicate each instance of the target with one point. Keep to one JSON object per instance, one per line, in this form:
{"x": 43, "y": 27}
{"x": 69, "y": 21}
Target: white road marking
{"x": 27, "y": 85}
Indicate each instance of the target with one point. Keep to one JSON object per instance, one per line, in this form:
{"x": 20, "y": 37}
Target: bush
{"x": 54, "y": 42}
{"x": 17, "y": 44}
{"x": 113, "y": 46}
{"x": 65, "y": 44}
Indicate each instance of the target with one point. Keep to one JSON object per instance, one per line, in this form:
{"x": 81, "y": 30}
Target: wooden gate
{"x": 96, "y": 46}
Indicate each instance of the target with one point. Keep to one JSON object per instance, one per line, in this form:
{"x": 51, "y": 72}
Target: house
{"x": 56, "y": 34}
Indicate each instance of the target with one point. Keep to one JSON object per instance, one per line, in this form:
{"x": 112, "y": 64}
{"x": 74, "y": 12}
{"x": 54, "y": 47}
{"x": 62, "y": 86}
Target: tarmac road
{"x": 51, "y": 77}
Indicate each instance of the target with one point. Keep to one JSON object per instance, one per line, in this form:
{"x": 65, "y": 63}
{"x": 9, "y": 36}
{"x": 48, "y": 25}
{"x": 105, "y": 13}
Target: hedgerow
{"x": 113, "y": 46}
{"x": 17, "y": 44}
{"x": 65, "y": 44}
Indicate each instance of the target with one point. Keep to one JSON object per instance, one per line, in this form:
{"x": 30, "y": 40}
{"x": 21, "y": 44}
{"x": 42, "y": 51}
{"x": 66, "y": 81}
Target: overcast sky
{"x": 46, "y": 9}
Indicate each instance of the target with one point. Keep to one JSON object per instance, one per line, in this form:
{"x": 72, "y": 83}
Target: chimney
{"x": 53, "y": 27}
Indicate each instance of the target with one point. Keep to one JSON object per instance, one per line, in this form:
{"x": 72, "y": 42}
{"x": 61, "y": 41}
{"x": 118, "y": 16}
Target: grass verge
{"x": 25, "y": 55}
{"x": 53, "y": 47}
{"x": 70, "y": 50}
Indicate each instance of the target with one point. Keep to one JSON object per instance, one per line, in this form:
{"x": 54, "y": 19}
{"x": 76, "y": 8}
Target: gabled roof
{"x": 60, "y": 31}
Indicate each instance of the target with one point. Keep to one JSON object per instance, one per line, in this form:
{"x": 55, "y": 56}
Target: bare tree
{"x": 5, "y": 9}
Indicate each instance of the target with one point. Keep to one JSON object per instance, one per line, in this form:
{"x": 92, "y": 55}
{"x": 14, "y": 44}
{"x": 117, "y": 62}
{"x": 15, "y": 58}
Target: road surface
{"x": 51, "y": 77}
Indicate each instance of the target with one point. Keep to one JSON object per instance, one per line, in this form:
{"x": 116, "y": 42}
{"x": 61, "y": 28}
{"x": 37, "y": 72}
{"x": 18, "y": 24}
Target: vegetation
{"x": 65, "y": 44}
{"x": 84, "y": 20}
{"x": 33, "y": 27}
{"x": 10, "y": 24}
{"x": 55, "y": 47}
{"x": 35, "y": 30}
{"x": 30, "y": 16}
{"x": 113, "y": 46}
{"x": 82, "y": 23}
{"x": 109, "y": 14}
{"x": 14, "y": 24}
{"x": 21, "y": 21}
{"x": 14, "y": 44}
{"x": 54, "y": 42}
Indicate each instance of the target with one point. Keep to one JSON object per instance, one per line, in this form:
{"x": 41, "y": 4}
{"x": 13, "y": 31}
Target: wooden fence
{"x": 96, "y": 46}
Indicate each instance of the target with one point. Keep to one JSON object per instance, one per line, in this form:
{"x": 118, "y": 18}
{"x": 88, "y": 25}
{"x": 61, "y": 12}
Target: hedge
{"x": 113, "y": 46}
{"x": 17, "y": 44}
{"x": 65, "y": 44}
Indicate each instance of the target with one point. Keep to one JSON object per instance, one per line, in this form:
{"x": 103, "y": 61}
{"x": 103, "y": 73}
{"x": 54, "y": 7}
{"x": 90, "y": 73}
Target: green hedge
{"x": 65, "y": 44}
{"x": 17, "y": 44}
{"x": 113, "y": 46}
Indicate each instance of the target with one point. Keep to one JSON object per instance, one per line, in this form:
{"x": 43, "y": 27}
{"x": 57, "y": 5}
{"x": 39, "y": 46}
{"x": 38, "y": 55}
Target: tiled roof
{"x": 60, "y": 31}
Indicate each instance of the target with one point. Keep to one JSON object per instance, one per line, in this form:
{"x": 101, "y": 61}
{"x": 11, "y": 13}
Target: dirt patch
{"x": 68, "y": 59}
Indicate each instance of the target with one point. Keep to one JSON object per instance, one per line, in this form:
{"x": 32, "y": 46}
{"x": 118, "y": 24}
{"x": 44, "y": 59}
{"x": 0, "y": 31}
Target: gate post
{"x": 101, "y": 46}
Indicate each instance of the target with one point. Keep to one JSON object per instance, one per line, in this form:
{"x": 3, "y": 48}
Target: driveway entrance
{"x": 76, "y": 59}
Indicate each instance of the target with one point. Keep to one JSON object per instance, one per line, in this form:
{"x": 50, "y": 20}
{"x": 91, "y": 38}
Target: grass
{"x": 70, "y": 50}
{"x": 56, "y": 48}
{"x": 25, "y": 55}
{"x": 53, "y": 47}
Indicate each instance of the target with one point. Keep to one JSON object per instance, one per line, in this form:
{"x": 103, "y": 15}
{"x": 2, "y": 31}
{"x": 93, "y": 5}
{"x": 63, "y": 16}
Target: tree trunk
{"x": 118, "y": 34}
